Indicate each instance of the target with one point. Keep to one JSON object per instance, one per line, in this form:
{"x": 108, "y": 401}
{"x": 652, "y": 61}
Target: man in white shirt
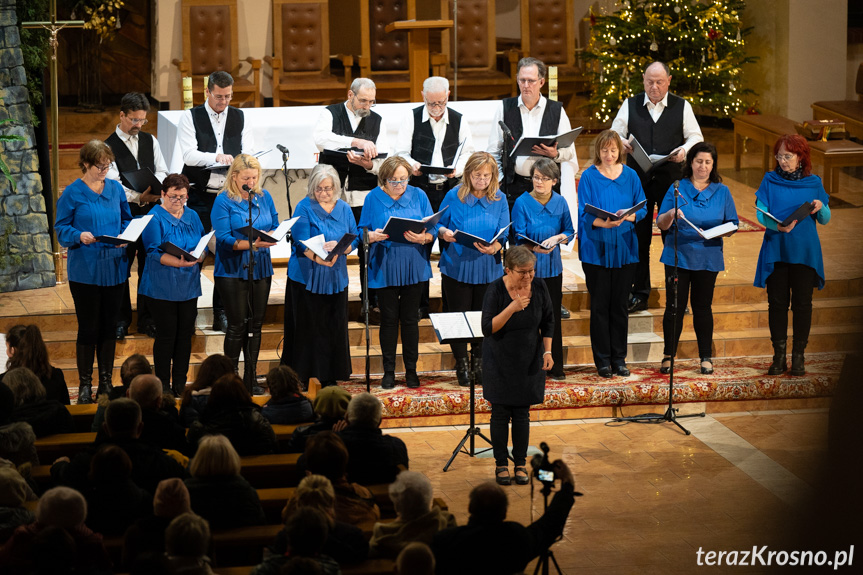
{"x": 211, "y": 135}
{"x": 663, "y": 124}
{"x": 133, "y": 150}
{"x": 431, "y": 135}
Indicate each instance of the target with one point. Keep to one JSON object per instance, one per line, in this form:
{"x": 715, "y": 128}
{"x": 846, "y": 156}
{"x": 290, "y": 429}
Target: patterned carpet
{"x": 735, "y": 379}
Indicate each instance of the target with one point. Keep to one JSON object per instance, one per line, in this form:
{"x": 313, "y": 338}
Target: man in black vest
{"x": 212, "y": 133}
{"x": 352, "y": 124}
{"x": 430, "y": 135}
{"x": 135, "y": 149}
{"x": 663, "y": 124}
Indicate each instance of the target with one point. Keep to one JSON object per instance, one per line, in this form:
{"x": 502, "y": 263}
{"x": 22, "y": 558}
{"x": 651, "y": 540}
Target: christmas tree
{"x": 702, "y": 43}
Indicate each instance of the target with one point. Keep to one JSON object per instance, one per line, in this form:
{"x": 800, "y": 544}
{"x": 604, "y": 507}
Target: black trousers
{"x": 175, "y": 326}
{"x": 501, "y": 416}
{"x": 145, "y": 317}
{"x": 236, "y": 293}
{"x": 463, "y": 297}
{"x": 202, "y": 204}
{"x": 609, "y": 320}
{"x": 436, "y": 193}
{"x": 97, "y": 309}
{"x": 555, "y": 290}
{"x": 790, "y": 284}
{"x": 696, "y": 286}
{"x": 400, "y": 308}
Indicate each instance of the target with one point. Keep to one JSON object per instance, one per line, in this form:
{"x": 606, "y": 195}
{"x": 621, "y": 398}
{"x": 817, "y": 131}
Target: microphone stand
{"x": 251, "y": 296}
{"x": 286, "y": 154}
{"x": 671, "y": 412}
{"x": 366, "y": 308}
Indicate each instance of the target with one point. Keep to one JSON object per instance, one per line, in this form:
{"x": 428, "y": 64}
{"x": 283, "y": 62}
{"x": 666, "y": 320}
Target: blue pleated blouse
{"x": 228, "y": 217}
{"x": 167, "y": 282}
{"x": 530, "y": 218}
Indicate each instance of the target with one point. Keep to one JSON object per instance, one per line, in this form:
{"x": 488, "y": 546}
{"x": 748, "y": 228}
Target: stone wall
{"x": 22, "y": 209}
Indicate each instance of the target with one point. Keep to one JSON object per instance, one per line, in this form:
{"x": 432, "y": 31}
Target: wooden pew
{"x": 368, "y": 567}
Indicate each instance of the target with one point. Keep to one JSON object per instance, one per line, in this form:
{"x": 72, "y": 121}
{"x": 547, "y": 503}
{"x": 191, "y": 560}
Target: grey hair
{"x": 145, "y": 390}
{"x": 435, "y": 84}
{"x": 24, "y": 384}
{"x": 528, "y": 61}
{"x": 411, "y": 494}
{"x": 320, "y": 173}
{"x": 364, "y": 410}
{"x": 360, "y": 83}
{"x": 61, "y": 507}
{"x": 518, "y": 256}
{"x": 664, "y": 67}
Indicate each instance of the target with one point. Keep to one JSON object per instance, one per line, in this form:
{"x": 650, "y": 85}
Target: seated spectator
{"x": 195, "y": 396}
{"x": 417, "y": 519}
{"x": 113, "y": 500}
{"x": 515, "y": 545}
{"x": 330, "y": 407}
{"x": 150, "y": 465}
{"x": 160, "y": 428}
{"x": 60, "y": 508}
{"x": 307, "y": 531}
{"x": 217, "y": 491}
{"x": 327, "y": 455}
{"x": 26, "y": 348}
{"x": 373, "y": 457}
{"x": 415, "y": 559}
{"x": 187, "y": 542}
{"x": 287, "y": 404}
{"x": 132, "y": 367}
{"x": 17, "y": 440}
{"x": 45, "y": 416}
{"x": 147, "y": 535}
{"x": 14, "y": 491}
{"x": 302, "y": 566}
{"x": 231, "y": 412}
{"x": 345, "y": 543}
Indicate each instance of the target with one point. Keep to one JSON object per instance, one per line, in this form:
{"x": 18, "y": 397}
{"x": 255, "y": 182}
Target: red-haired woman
{"x": 790, "y": 264}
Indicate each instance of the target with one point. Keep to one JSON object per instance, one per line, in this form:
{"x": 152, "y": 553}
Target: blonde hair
{"x": 240, "y": 163}
{"x": 477, "y": 161}
{"x": 215, "y": 456}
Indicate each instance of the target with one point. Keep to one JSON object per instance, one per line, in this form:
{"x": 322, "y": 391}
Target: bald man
{"x": 663, "y": 124}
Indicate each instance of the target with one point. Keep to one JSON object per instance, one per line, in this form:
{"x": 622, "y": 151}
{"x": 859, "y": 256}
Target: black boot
{"x": 105, "y": 362}
{"x": 797, "y": 359}
{"x": 462, "y": 371}
{"x": 476, "y": 367}
{"x": 780, "y": 364}
{"x": 250, "y": 360}
{"x": 178, "y": 390}
{"x": 84, "y": 357}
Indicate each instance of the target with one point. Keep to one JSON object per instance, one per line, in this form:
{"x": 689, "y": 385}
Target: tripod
{"x": 547, "y": 553}
{"x": 671, "y": 412}
{"x": 472, "y": 431}
{"x": 365, "y": 248}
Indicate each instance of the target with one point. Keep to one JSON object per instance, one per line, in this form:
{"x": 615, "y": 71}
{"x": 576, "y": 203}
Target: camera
{"x": 542, "y": 467}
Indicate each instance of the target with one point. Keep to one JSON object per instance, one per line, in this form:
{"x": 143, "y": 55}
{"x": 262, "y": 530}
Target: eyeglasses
{"x": 102, "y": 167}
{"x": 326, "y": 190}
{"x": 541, "y": 179}
{"x": 436, "y": 104}
{"x": 177, "y": 198}
{"x": 785, "y": 158}
{"x": 528, "y": 81}
{"x": 397, "y": 183}
{"x": 524, "y": 273}
{"x": 137, "y": 122}
{"x": 226, "y": 98}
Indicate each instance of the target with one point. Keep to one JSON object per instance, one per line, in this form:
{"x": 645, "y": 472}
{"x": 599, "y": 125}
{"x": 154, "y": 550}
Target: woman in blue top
{"x": 474, "y": 207}
{"x": 92, "y": 206}
{"x": 316, "y": 298}
{"x": 397, "y": 267}
{"x": 790, "y": 263}
{"x": 173, "y": 284}
{"x": 230, "y": 214}
{"x": 708, "y": 203}
{"x": 543, "y": 217}
{"x": 608, "y": 249}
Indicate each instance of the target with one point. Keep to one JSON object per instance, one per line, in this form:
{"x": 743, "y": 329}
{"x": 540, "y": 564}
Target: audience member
{"x": 415, "y": 559}
{"x": 515, "y": 545}
{"x": 287, "y": 404}
{"x": 14, "y": 491}
{"x": 302, "y": 566}
{"x": 17, "y": 440}
{"x": 132, "y": 367}
{"x": 147, "y": 535}
{"x": 307, "y": 531}
{"x": 26, "y": 348}
{"x": 123, "y": 425}
{"x": 217, "y": 491}
{"x": 195, "y": 396}
{"x": 231, "y": 412}
{"x": 62, "y": 508}
{"x": 45, "y": 416}
{"x": 187, "y": 542}
{"x": 327, "y": 455}
{"x": 114, "y": 502}
{"x": 330, "y": 406}
{"x": 346, "y": 543}
{"x": 373, "y": 456}
{"x": 417, "y": 519}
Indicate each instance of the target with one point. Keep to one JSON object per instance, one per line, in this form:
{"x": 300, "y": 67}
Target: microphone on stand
{"x": 676, "y": 187}
{"x": 251, "y": 193}
{"x": 283, "y": 150}
{"x": 506, "y": 131}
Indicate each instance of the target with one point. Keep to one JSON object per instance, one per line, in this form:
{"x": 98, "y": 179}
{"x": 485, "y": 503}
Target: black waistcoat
{"x": 512, "y": 118}
{"x": 232, "y": 142}
{"x": 657, "y": 138}
{"x": 126, "y": 162}
{"x": 368, "y": 129}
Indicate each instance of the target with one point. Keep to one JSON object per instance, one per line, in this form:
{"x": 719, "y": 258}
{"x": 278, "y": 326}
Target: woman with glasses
{"x": 608, "y": 249}
{"x": 230, "y": 214}
{"x": 790, "y": 264}
{"x": 316, "y": 297}
{"x": 172, "y": 283}
{"x": 93, "y": 206}
{"x": 518, "y": 323}
{"x": 474, "y": 207}
{"x": 397, "y": 266}
{"x": 540, "y": 221}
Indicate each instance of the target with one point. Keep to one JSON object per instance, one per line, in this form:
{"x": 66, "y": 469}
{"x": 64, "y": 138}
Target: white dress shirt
{"x": 691, "y": 130}
{"x": 158, "y": 161}
{"x": 439, "y": 127}
{"x": 530, "y": 122}
{"x": 189, "y": 144}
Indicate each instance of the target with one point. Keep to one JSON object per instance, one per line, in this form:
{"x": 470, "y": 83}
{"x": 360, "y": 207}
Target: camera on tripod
{"x": 543, "y": 470}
